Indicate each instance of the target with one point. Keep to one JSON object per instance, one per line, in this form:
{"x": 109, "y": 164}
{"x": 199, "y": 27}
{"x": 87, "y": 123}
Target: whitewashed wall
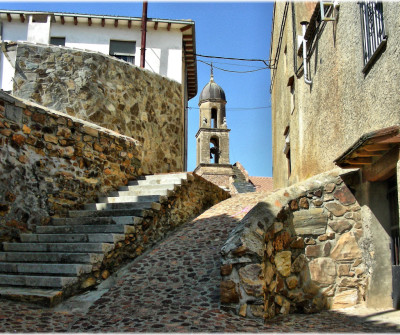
{"x": 163, "y": 49}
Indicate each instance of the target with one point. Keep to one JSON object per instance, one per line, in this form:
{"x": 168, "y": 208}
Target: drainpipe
{"x": 143, "y": 42}
{"x": 305, "y": 68}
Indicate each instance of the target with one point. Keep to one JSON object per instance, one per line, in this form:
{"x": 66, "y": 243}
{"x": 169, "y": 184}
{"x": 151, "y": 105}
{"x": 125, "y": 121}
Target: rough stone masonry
{"x": 110, "y": 93}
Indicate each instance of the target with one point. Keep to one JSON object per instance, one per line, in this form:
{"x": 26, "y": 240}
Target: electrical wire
{"x": 238, "y": 108}
{"x": 216, "y": 67}
{"x": 232, "y": 58}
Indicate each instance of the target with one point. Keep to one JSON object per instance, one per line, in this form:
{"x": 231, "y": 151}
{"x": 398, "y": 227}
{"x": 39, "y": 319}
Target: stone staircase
{"x": 57, "y": 260}
{"x": 240, "y": 183}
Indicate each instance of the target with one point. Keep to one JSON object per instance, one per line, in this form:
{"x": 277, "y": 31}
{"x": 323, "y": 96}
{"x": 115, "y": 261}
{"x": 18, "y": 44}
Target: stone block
{"x": 226, "y": 269}
{"x": 346, "y": 248}
{"x": 299, "y": 263}
{"x": 283, "y": 262}
{"x": 229, "y": 293}
{"x": 282, "y": 241}
{"x": 336, "y": 209}
{"x": 345, "y": 299}
{"x": 323, "y": 270}
{"x": 292, "y": 282}
{"x": 250, "y": 277}
{"x": 344, "y": 195}
{"x": 313, "y": 251}
{"x": 303, "y": 203}
{"x": 310, "y": 222}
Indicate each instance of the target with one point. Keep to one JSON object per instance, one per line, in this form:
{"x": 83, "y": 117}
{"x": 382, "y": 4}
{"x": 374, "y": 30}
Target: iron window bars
{"x": 373, "y": 30}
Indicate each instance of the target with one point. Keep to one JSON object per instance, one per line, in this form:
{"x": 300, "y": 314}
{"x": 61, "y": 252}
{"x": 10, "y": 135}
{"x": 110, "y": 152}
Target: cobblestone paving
{"x": 175, "y": 288}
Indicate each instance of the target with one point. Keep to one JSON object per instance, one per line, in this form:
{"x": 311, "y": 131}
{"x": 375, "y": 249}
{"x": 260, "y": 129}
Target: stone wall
{"x": 51, "y": 163}
{"x": 303, "y": 249}
{"x": 110, "y": 93}
{"x": 181, "y": 205}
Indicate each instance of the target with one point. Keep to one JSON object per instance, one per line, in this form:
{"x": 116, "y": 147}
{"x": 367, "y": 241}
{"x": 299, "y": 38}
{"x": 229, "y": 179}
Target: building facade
{"x": 335, "y": 103}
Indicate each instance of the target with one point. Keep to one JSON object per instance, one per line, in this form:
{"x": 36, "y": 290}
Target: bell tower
{"x": 212, "y": 138}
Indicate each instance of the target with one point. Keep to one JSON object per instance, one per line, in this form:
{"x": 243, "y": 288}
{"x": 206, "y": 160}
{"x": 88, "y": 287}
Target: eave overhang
{"x": 186, "y": 27}
{"x": 370, "y": 148}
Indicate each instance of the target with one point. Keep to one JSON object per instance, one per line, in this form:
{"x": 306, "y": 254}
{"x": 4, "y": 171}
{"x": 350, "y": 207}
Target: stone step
{"x": 51, "y": 257}
{"x": 45, "y": 268}
{"x": 72, "y": 238}
{"x": 135, "y": 198}
{"x": 73, "y": 229}
{"x": 141, "y": 188}
{"x": 36, "y": 281}
{"x": 106, "y": 212}
{"x": 101, "y": 220}
{"x": 59, "y": 247}
{"x": 175, "y": 180}
{"x": 142, "y": 191}
{"x": 165, "y": 176}
{"x": 44, "y": 297}
{"x": 118, "y": 205}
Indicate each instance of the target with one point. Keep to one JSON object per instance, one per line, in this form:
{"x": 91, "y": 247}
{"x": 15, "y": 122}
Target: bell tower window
{"x": 214, "y": 118}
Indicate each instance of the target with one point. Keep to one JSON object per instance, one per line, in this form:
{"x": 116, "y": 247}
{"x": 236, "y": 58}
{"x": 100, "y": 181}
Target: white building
{"x": 170, "y": 44}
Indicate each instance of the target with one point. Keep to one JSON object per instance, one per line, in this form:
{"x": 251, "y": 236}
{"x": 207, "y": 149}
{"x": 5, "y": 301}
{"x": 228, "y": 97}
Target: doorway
{"x": 393, "y": 200}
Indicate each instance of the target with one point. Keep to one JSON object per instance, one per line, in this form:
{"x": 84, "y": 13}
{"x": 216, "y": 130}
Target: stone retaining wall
{"x": 51, "y": 163}
{"x": 110, "y": 93}
{"x": 302, "y": 250}
{"x": 185, "y": 202}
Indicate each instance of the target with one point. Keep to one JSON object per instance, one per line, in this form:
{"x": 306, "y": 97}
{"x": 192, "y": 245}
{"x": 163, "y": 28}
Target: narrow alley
{"x": 175, "y": 288}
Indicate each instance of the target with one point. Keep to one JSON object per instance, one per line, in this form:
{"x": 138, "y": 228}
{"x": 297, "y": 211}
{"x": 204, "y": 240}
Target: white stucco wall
{"x": 163, "y": 48}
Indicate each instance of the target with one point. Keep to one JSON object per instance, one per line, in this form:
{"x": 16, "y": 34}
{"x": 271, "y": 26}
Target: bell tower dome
{"x": 212, "y": 138}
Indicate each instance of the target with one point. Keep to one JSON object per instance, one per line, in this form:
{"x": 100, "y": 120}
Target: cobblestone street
{"x": 175, "y": 288}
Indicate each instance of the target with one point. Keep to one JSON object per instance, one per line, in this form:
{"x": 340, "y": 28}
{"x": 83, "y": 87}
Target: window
{"x": 214, "y": 123}
{"x": 57, "y": 41}
{"x": 373, "y": 30}
{"x": 124, "y": 50}
{"x": 286, "y": 150}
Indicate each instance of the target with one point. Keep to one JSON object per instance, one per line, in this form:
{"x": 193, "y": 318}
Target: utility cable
{"x": 264, "y": 68}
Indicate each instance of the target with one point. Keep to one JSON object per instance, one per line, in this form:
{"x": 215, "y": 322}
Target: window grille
{"x": 373, "y": 30}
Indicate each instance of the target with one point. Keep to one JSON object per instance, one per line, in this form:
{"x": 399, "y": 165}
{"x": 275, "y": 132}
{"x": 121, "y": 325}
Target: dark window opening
{"x": 57, "y": 41}
{"x": 214, "y": 123}
{"x": 39, "y": 18}
{"x": 373, "y": 30}
{"x": 124, "y": 50}
{"x": 392, "y": 196}
{"x": 214, "y": 150}
{"x": 289, "y": 163}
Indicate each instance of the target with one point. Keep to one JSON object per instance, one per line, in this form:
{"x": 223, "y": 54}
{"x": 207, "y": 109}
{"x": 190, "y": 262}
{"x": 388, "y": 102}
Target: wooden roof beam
{"x": 186, "y": 28}
{"x": 75, "y": 20}
{"x": 169, "y": 26}
{"x": 129, "y": 24}
{"x": 155, "y": 25}
{"x": 377, "y": 147}
{"x": 9, "y": 17}
{"x": 89, "y": 21}
{"x": 115, "y": 23}
{"x": 103, "y": 22}
{"x": 22, "y": 18}
{"x": 359, "y": 161}
{"x": 62, "y": 20}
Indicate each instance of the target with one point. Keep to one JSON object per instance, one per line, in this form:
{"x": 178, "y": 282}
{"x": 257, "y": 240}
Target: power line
{"x": 238, "y": 108}
{"x": 216, "y": 67}
{"x": 232, "y": 58}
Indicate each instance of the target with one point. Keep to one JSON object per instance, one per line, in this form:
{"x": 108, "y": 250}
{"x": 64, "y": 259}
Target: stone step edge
{"x": 44, "y": 297}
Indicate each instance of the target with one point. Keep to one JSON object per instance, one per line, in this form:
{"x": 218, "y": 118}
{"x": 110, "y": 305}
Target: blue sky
{"x": 226, "y": 29}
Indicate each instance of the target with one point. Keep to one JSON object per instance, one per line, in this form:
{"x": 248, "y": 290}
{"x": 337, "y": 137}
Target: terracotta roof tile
{"x": 262, "y": 184}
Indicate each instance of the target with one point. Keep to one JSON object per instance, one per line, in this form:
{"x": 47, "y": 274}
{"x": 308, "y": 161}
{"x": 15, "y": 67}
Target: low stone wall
{"x": 301, "y": 250}
{"x": 51, "y": 163}
{"x": 110, "y": 93}
{"x": 181, "y": 205}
